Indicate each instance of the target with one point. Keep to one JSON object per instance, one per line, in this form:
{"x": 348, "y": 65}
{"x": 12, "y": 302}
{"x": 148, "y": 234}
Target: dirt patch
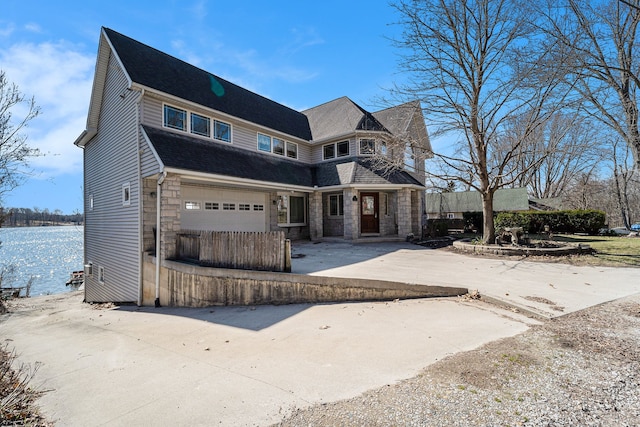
{"x": 550, "y": 303}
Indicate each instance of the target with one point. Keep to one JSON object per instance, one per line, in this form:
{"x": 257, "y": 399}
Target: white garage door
{"x": 213, "y": 209}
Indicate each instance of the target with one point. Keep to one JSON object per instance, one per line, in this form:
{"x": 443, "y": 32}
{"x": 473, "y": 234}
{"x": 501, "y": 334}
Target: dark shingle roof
{"x": 359, "y": 170}
{"x": 194, "y": 154}
{"x": 154, "y": 69}
{"x": 189, "y": 153}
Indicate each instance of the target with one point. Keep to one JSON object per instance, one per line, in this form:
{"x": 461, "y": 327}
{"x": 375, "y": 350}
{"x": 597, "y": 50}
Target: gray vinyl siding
{"x": 242, "y": 135}
{"x": 317, "y": 149}
{"x": 112, "y": 230}
{"x": 148, "y": 162}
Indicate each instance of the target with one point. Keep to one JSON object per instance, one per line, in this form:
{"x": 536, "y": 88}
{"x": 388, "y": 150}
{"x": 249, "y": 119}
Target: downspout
{"x": 140, "y": 202}
{"x": 158, "y": 234}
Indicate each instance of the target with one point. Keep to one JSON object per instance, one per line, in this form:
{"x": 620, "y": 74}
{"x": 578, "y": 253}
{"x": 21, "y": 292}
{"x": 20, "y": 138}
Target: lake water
{"x": 49, "y": 254}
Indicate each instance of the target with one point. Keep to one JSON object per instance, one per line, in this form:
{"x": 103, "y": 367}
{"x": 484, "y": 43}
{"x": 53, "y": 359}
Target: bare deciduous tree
{"x": 475, "y": 65}
{"x": 14, "y": 150}
{"x": 563, "y": 147}
{"x": 605, "y": 65}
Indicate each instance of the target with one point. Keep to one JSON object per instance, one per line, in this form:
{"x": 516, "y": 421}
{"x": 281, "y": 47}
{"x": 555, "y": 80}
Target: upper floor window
{"x": 175, "y": 118}
{"x": 200, "y": 125}
{"x": 222, "y": 131}
{"x": 339, "y": 149}
{"x": 277, "y": 146}
{"x": 264, "y": 142}
{"x": 197, "y": 124}
{"x": 292, "y": 150}
{"x": 367, "y": 146}
{"x": 409, "y": 158}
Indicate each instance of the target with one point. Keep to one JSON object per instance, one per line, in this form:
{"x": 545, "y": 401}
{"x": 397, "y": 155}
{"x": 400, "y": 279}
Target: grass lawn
{"x": 615, "y": 251}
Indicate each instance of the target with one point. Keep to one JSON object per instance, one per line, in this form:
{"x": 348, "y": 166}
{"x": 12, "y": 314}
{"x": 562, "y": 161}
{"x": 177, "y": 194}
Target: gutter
{"x": 161, "y": 178}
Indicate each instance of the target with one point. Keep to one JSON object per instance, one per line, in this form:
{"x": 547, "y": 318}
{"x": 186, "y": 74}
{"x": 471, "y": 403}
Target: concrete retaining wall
{"x": 568, "y": 249}
{"x": 186, "y": 285}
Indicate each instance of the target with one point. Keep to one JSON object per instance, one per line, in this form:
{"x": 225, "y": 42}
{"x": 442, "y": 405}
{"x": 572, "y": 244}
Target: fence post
{"x": 287, "y": 256}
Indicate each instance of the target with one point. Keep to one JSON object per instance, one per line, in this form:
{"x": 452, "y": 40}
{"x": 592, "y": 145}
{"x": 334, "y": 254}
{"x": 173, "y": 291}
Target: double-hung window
{"x": 336, "y": 205}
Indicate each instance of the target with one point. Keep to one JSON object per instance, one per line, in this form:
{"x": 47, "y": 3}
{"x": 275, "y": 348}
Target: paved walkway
{"x": 121, "y": 366}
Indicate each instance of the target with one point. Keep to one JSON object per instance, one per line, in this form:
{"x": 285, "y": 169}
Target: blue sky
{"x": 298, "y": 53}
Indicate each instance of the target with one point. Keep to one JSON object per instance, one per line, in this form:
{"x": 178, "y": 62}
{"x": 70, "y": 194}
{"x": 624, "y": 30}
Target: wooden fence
{"x": 266, "y": 251}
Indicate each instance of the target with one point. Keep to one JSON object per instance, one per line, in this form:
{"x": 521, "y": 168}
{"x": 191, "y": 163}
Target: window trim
{"x": 409, "y": 160}
{"x": 165, "y": 122}
{"x": 336, "y": 152}
{"x": 339, "y": 205}
{"x": 371, "y": 140}
{"x": 188, "y": 123}
{"x": 215, "y": 127}
{"x": 206, "y": 119}
{"x": 126, "y": 194}
{"x": 279, "y": 199}
{"x": 285, "y": 144}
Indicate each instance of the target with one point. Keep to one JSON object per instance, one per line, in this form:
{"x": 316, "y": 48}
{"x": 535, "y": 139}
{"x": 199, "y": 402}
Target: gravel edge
{"x": 580, "y": 369}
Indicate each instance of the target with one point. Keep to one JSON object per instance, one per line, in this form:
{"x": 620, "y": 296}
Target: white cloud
{"x": 59, "y": 76}
{"x": 33, "y": 27}
{"x": 7, "y": 30}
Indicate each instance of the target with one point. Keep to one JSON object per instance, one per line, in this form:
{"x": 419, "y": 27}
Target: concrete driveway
{"x": 252, "y": 365}
{"x": 539, "y": 289}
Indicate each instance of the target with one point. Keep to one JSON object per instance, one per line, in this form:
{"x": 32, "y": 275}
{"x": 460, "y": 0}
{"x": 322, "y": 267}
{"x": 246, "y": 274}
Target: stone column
{"x": 315, "y": 215}
{"x": 404, "y": 212}
{"x": 170, "y": 215}
{"x": 351, "y": 214}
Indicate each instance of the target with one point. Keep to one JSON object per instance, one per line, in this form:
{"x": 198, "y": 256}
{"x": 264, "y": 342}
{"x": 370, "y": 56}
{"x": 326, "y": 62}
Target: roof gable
{"x": 340, "y": 117}
{"x": 154, "y": 69}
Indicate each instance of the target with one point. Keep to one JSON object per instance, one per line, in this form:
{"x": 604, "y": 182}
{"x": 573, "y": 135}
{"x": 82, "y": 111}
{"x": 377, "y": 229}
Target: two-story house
{"x": 169, "y": 146}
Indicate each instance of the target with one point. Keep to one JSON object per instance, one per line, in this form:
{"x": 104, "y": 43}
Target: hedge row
{"x": 571, "y": 221}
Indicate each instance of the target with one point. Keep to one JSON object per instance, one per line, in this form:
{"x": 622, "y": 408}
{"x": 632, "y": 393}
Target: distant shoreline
{"x": 44, "y": 224}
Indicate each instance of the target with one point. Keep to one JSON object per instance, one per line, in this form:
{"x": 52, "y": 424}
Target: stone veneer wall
{"x": 316, "y": 210}
{"x": 170, "y": 215}
{"x": 291, "y": 233}
{"x": 332, "y": 226}
{"x": 404, "y": 212}
{"x": 388, "y": 215}
{"x": 149, "y": 198}
{"x": 417, "y": 203}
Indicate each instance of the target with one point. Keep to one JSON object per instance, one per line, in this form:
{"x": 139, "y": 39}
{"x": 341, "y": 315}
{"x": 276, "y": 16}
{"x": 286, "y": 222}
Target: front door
{"x": 369, "y": 221}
